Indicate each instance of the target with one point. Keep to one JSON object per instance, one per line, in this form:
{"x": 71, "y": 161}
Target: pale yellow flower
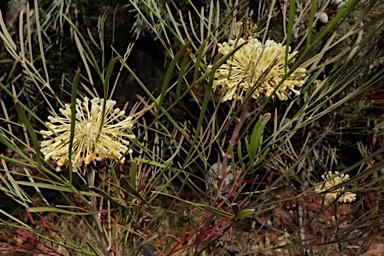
{"x": 89, "y": 145}
{"x": 331, "y": 181}
{"x": 258, "y": 68}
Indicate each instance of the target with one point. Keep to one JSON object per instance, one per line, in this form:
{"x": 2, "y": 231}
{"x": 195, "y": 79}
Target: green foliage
{"x": 272, "y": 153}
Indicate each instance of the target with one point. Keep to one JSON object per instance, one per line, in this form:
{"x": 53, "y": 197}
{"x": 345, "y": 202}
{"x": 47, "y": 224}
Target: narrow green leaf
{"x": 53, "y": 187}
{"x": 54, "y": 209}
{"x": 17, "y": 193}
{"x": 95, "y": 250}
{"x": 107, "y": 197}
{"x": 169, "y": 73}
{"x": 204, "y": 77}
{"x": 311, "y": 20}
{"x": 211, "y": 75}
{"x": 202, "y": 115}
{"x": 257, "y": 135}
{"x": 212, "y": 70}
{"x": 6, "y": 37}
{"x": 292, "y": 8}
{"x": 30, "y": 112}
{"x": 133, "y": 179}
{"x": 348, "y": 6}
{"x": 83, "y": 57}
{"x": 246, "y": 145}
{"x": 265, "y": 211}
{"x": 131, "y": 190}
{"x": 115, "y": 181}
{"x": 110, "y": 67}
{"x": 182, "y": 73}
{"x": 106, "y": 89}
{"x": 245, "y": 213}
{"x": 84, "y": 42}
{"x": 146, "y": 161}
{"x": 12, "y": 160}
{"x": 333, "y": 22}
{"x": 207, "y": 208}
{"x": 31, "y": 131}
{"x": 261, "y": 158}
{"x": 133, "y": 174}
{"x": 240, "y": 155}
{"x": 16, "y": 150}
{"x": 40, "y": 39}
{"x": 75, "y": 84}
{"x": 214, "y": 211}
{"x": 198, "y": 60}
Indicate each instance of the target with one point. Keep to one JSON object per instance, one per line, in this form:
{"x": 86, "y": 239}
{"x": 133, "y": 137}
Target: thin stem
{"x": 100, "y": 234}
{"x": 233, "y": 141}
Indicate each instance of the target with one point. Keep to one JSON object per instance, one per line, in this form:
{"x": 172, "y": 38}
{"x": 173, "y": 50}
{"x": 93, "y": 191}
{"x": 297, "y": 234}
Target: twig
{"x": 100, "y": 234}
{"x": 235, "y": 136}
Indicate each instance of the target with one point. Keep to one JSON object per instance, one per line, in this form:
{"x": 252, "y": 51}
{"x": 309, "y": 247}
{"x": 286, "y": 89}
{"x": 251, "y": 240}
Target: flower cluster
{"x": 331, "y": 181}
{"x": 90, "y": 143}
{"x": 257, "y": 68}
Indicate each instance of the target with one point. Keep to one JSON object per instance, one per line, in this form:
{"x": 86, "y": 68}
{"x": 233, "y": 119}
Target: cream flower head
{"x": 89, "y": 145}
{"x": 256, "y": 65}
{"x": 333, "y": 180}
